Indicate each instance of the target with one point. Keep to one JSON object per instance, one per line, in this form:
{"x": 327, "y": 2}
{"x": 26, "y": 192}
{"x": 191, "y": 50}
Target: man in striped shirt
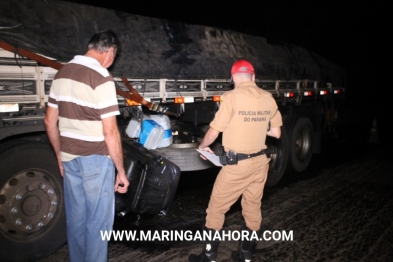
{"x": 81, "y": 125}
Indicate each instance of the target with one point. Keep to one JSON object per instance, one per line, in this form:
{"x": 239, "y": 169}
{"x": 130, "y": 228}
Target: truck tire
{"x": 278, "y": 161}
{"x": 32, "y": 218}
{"x": 300, "y": 140}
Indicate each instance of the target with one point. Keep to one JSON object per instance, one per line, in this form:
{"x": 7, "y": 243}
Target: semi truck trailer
{"x": 166, "y": 71}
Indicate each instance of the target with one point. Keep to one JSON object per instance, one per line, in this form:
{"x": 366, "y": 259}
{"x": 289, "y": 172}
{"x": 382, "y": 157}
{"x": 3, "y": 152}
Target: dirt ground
{"x": 340, "y": 209}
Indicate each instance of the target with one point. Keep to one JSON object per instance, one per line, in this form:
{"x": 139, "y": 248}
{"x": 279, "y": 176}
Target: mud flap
{"x": 153, "y": 181}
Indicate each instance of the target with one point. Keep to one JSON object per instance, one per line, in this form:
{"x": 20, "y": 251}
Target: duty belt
{"x": 247, "y": 156}
{"x": 231, "y": 157}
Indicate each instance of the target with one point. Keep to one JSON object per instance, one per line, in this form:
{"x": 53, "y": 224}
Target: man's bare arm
{"x": 113, "y": 142}
{"x": 274, "y": 132}
{"x": 210, "y": 136}
{"x": 52, "y": 130}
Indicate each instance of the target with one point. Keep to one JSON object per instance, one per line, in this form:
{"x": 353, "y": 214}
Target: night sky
{"x": 353, "y": 34}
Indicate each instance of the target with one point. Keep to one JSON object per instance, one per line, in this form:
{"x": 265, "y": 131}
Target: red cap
{"x": 242, "y": 66}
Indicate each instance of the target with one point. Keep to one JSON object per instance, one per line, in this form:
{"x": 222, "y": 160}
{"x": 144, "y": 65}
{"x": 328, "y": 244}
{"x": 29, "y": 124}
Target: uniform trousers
{"x": 246, "y": 179}
{"x": 89, "y": 205}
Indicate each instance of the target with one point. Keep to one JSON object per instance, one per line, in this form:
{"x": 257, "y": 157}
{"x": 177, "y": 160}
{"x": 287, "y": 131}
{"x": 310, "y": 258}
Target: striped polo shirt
{"x": 84, "y": 93}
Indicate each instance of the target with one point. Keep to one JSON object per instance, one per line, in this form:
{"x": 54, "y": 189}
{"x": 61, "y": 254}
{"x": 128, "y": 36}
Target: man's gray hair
{"x": 103, "y": 40}
{"x": 245, "y": 76}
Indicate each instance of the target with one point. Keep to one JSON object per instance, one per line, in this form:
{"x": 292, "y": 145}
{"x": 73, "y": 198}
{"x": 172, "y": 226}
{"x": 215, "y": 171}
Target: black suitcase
{"x": 153, "y": 181}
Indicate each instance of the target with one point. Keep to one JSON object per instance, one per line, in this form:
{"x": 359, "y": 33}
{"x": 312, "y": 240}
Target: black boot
{"x": 246, "y": 247}
{"x": 209, "y": 252}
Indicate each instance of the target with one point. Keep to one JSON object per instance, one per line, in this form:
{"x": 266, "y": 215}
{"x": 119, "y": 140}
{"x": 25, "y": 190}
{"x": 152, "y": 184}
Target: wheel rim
{"x": 29, "y": 202}
{"x": 302, "y": 144}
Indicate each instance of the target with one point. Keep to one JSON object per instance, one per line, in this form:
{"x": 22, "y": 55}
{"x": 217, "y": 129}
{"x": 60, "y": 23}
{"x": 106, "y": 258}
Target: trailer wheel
{"x": 278, "y": 161}
{"x": 32, "y": 218}
{"x": 300, "y": 139}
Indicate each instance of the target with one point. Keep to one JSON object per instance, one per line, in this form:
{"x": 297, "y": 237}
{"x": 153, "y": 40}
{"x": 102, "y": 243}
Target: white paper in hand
{"x": 211, "y": 157}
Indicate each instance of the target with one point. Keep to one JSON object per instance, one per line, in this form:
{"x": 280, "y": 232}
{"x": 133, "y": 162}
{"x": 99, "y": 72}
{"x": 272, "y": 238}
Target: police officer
{"x": 246, "y": 115}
